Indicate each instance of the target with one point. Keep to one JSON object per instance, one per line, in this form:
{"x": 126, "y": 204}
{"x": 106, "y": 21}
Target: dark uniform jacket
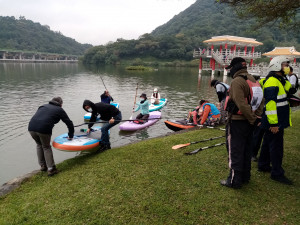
{"x": 47, "y": 116}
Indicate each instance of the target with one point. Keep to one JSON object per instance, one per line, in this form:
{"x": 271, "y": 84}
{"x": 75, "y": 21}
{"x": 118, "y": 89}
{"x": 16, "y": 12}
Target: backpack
{"x": 254, "y": 98}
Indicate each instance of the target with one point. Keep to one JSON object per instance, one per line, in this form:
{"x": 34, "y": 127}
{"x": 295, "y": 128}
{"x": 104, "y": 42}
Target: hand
{"x": 88, "y": 131}
{"x": 112, "y": 120}
{"x": 274, "y": 130}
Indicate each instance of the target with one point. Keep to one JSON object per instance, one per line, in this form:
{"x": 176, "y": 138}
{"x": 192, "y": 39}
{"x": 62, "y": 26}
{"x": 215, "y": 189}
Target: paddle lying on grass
{"x": 195, "y": 142}
{"x": 203, "y": 148}
{"x": 211, "y": 127}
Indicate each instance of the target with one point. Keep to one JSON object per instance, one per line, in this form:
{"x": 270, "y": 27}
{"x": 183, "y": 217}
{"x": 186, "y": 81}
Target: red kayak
{"x": 179, "y": 125}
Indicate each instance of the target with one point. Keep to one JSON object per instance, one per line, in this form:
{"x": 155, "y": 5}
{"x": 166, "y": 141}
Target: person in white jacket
{"x": 155, "y": 97}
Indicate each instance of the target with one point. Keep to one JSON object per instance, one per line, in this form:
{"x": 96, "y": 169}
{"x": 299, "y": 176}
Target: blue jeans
{"x": 106, "y": 127}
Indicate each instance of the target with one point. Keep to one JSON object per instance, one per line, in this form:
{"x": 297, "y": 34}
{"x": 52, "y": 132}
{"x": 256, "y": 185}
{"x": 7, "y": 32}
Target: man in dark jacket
{"x": 107, "y": 113}
{"x": 106, "y": 97}
{"x": 40, "y": 128}
{"x": 243, "y": 115}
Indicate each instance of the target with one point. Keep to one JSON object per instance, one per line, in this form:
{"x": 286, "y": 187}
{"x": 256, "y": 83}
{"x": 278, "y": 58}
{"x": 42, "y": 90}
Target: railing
{"x": 227, "y": 53}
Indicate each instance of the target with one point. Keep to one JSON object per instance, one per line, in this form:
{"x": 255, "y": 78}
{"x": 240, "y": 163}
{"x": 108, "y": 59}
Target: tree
{"x": 268, "y": 11}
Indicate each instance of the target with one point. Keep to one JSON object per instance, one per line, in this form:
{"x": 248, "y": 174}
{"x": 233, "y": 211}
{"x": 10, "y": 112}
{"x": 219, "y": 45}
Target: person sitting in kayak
{"x": 211, "y": 115}
{"x": 196, "y": 115}
{"x": 143, "y": 105}
{"x": 155, "y": 97}
{"x": 106, "y": 98}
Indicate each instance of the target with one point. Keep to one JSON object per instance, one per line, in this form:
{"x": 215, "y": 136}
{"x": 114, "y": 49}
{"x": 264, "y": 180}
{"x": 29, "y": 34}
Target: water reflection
{"x": 26, "y": 86}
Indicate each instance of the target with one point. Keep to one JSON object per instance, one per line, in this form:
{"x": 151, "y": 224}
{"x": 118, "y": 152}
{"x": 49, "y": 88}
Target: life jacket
{"x": 213, "y": 110}
{"x": 155, "y": 95}
{"x": 254, "y": 99}
{"x": 226, "y": 88}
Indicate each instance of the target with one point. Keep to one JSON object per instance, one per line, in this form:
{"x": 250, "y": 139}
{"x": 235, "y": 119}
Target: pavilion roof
{"x": 233, "y": 40}
{"x": 287, "y": 51}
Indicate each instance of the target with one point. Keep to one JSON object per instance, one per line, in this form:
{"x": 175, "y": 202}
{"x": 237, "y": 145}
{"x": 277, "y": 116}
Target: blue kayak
{"x": 80, "y": 142}
{"x": 162, "y": 103}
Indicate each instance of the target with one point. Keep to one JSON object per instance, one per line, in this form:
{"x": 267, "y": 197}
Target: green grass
{"x": 149, "y": 183}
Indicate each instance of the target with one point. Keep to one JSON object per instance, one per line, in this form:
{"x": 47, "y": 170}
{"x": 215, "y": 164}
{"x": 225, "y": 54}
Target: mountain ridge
{"x": 26, "y": 35}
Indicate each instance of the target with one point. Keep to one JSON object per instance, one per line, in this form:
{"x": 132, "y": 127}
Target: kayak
{"x": 162, "y": 103}
{"x": 80, "y": 142}
{"x": 131, "y": 126}
{"x": 177, "y": 125}
{"x": 87, "y": 116}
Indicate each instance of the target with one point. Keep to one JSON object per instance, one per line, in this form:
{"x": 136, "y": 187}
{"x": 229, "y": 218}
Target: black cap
{"x": 143, "y": 95}
{"x": 235, "y": 61}
{"x": 213, "y": 83}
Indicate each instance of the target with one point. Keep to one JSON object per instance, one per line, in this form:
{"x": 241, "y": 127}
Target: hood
{"x": 89, "y": 103}
{"x": 52, "y": 102}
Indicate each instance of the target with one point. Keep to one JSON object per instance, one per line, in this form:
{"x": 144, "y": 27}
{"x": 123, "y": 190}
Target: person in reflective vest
{"x": 276, "y": 117}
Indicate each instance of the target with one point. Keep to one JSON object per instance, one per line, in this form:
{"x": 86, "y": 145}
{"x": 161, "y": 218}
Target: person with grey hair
{"x": 40, "y": 128}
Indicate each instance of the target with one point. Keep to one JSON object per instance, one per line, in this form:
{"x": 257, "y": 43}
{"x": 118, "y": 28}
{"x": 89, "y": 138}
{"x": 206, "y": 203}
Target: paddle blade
{"x": 180, "y": 146}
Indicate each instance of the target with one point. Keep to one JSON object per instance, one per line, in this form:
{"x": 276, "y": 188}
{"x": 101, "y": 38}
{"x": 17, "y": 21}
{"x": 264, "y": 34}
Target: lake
{"x": 26, "y": 86}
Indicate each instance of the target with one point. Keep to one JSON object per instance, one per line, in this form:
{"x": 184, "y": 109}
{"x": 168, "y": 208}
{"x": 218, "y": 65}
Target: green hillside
{"x": 177, "y": 39}
{"x": 22, "y": 34}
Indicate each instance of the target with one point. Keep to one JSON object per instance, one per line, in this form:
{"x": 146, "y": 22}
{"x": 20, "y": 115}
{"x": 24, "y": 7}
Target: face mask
{"x": 142, "y": 99}
{"x": 90, "y": 110}
{"x": 286, "y": 70}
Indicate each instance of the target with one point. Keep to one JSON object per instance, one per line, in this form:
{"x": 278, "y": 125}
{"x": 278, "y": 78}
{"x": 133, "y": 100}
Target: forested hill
{"x": 177, "y": 39}
{"x": 206, "y": 18}
{"x": 23, "y": 34}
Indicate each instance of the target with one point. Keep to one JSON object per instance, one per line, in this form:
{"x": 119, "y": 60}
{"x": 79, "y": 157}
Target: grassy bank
{"x": 149, "y": 183}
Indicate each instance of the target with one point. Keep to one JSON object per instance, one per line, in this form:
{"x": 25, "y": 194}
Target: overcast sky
{"x": 97, "y": 21}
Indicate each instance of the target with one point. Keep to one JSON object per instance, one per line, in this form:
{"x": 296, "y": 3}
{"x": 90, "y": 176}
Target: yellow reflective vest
{"x": 277, "y": 111}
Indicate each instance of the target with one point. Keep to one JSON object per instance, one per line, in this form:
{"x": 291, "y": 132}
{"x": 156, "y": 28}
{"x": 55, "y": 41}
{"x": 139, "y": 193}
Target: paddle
{"x": 200, "y": 149}
{"x": 116, "y": 121}
{"x": 102, "y": 82}
{"x": 191, "y": 143}
{"x": 137, "y": 85}
{"x": 212, "y": 127}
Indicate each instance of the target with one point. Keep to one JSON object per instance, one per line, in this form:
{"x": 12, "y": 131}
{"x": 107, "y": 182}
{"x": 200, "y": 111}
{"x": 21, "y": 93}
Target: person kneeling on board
{"x": 155, "y": 97}
{"x": 143, "y": 105}
{"x": 211, "y": 115}
{"x": 196, "y": 115}
{"x": 40, "y": 128}
{"x": 107, "y": 113}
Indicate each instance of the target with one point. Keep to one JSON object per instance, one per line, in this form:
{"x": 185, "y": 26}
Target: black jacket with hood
{"x": 47, "y": 116}
{"x": 106, "y": 111}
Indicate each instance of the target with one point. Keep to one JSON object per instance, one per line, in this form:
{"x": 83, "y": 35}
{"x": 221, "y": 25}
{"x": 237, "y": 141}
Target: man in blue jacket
{"x": 40, "y": 128}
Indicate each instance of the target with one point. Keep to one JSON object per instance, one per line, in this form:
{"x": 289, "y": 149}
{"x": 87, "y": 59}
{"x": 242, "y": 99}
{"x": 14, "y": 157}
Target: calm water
{"x": 24, "y": 87}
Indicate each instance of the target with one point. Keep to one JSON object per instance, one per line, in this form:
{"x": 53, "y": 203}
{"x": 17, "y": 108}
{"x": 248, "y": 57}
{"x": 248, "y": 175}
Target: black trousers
{"x": 272, "y": 152}
{"x": 239, "y": 138}
{"x": 258, "y": 135}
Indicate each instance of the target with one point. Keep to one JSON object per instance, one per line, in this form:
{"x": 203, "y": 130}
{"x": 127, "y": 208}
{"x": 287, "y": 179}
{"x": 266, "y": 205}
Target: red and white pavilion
{"x": 222, "y": 49}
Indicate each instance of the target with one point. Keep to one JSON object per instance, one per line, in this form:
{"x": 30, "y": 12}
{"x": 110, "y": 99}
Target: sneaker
{"x": 52, "y": 172}
{"x": 282, "y": 179}
{"x": 103, "y": 147}
{"x": 227, "y": 184}
{"x": 43, "y": 168}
